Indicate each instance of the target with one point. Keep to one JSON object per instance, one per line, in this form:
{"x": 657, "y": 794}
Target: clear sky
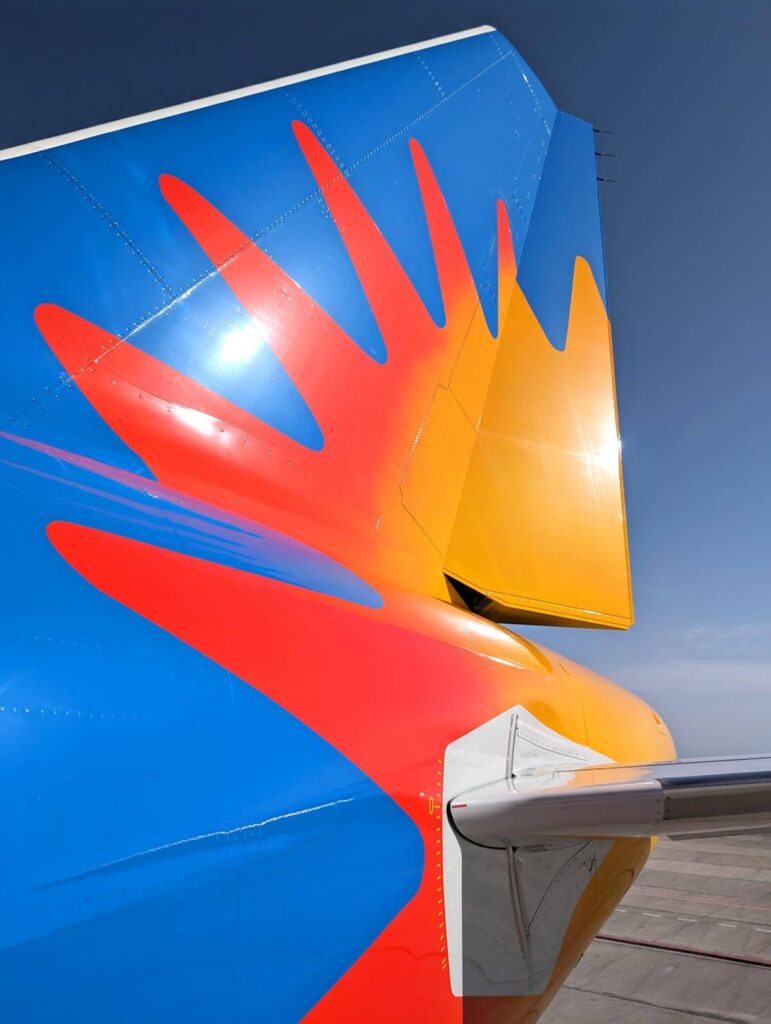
{"x": 684, "y": 86}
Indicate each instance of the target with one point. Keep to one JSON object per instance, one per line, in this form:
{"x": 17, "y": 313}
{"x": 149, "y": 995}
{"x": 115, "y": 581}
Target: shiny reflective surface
{"x": 247, "y": 352}
{"x": 698, "y": 796}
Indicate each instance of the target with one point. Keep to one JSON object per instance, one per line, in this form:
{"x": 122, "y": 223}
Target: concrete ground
{"x": 710, "y": 898}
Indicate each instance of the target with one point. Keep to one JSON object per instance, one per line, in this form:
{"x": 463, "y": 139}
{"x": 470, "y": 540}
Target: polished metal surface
{"x": 686, "y": 798}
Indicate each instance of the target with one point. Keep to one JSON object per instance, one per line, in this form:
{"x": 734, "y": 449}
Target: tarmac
{"x": 689, "y": 944}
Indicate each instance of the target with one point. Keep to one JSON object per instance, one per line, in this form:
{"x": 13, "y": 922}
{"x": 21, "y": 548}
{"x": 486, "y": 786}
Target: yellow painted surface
{"x": 540, "y": 527}
{"x": 470, "y": 377}
{"x": 437, "y": 468}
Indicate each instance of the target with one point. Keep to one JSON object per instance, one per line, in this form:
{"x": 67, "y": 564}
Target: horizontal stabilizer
{"x": 683, "y": 799}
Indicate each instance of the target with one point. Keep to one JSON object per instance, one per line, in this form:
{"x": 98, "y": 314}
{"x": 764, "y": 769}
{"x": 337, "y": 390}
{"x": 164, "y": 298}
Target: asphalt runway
{"x": 689, "y": 944}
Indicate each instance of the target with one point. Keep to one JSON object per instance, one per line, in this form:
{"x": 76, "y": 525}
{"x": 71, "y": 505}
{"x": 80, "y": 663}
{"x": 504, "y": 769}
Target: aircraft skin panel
{"x": 422, "y": 173}
{"x": 248, "y": 349}
{"x": 540, "y": 531}
{"x": 560, "y": 505}
{"x": 388, "y": 717}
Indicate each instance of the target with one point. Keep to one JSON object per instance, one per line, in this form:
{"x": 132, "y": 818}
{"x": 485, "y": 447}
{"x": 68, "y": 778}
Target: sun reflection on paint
{"x": 239, "y": 345}
{"x": 196, "y": 420}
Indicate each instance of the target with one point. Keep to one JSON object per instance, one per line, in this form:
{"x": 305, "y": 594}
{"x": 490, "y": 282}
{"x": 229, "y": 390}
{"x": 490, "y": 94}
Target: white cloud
{"x": 737, "y": 638}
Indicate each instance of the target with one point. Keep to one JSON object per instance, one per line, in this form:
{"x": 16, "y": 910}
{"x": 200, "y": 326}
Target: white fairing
{"x": 507, "y": 909}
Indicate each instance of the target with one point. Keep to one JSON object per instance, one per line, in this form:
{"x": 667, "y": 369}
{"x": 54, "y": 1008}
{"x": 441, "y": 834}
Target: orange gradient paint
{"x": 429, "y": 459}
{"x": 390, "y": 689}
{"x": 369, "y": 497}
{"x": 541, "y": 526}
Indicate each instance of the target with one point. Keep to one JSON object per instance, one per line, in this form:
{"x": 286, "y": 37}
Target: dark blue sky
{"x": 684, "y": 85}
